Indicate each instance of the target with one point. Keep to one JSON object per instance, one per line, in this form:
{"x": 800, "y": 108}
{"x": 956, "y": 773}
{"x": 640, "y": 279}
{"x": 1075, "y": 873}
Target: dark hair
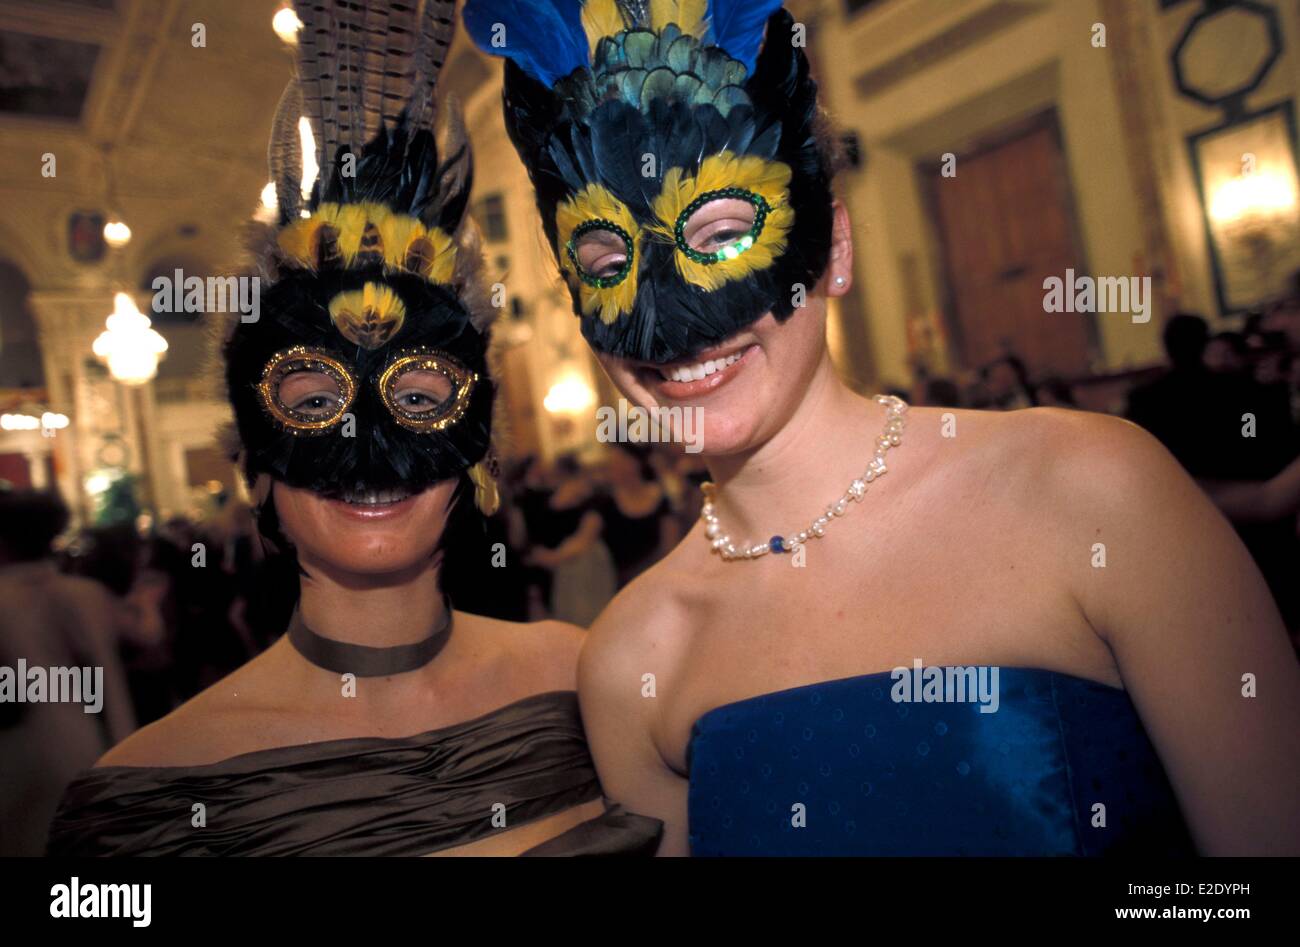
{"x": 108, "y": 554}
{"x": 466, "y": 551}
{"x": 1185, "y": 337}
{"x": 30, "y": 520}
{"x": 839, "y": 152}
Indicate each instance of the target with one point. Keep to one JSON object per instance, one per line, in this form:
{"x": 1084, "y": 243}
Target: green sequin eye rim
{"x": 600, "y": 282}
{"x": 761, "y": 209}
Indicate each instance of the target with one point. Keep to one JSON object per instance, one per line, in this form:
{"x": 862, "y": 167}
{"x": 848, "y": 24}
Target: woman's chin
{"x": 726, "y": 434}
{"x": 378, "y": 549}
{"x": 372, "y": 564}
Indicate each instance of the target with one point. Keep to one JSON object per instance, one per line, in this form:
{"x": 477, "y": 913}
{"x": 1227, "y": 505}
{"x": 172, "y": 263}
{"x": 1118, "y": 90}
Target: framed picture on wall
{"x": 1249, "y": 182}
{"x": 86, "y": 236}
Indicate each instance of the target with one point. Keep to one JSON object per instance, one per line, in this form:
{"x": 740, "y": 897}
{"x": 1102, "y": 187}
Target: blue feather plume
{"x": 738, "y": 27}
{"x": 543, "y": 37}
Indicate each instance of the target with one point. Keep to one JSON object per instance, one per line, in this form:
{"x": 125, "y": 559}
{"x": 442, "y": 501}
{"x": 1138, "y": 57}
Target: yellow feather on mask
{"x": 406, "y": 243}
{"x": 350, "y": 222}
{"x": 601, "y": 18}
{"x": 298, "y": 241}
{"x": 434, "y": 256}
{"x": 397, "y": 231}
{"x": 687, "y": 14}
{"x": 368, "y": 317}
{"x": 768, "y": 179}
{"x": 594, "y": 202}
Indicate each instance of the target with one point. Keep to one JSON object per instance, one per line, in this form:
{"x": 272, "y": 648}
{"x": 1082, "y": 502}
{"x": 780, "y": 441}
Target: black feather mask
{"x": 673, "y": 150}
{"x": 367, "y": 368}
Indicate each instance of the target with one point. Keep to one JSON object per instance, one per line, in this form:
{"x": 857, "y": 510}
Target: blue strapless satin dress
{"x": 880, "y": 777}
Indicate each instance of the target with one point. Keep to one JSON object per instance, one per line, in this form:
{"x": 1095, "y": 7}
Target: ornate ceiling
{"x": 184, "y": 126}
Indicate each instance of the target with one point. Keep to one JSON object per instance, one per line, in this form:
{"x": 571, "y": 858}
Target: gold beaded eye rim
{"x": 304, "y": 358}
{"x": 447, "y": 413}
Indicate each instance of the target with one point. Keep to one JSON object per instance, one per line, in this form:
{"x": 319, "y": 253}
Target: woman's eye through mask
{"x": 721, "y": 225}
{"x": 426, "y": 391}
{"x": 601, "y": 252}
{"x": 308, "y": 391}
{"x": 305, "y": 390}
{"x": 310, "y": 394}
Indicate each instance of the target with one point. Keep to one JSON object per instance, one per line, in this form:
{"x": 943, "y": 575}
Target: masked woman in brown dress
{"x": 384, "y": 721}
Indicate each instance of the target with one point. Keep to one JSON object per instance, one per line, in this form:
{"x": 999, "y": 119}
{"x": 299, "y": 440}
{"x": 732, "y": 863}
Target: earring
{"x": 840, "y": 281}
{"x": 486, "y": 497}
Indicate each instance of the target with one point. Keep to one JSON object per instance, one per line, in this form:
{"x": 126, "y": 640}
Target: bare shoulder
{"x": 1102, "y": 462}
{"x": 1054, "y": 481}
{"x": 651, "y": 602}
{"x": 1057, "y": 429}
{"x": 98, "y": 609}
{"x": 1114, "y": 496}
{"x": 646, "y": 625}
{"x": 1047, "y": 454}
{"x": 545, "y": 652}
{"x": 210, "y": 726}
{"x": 1024, "y": 425}
{"x": 84, "y": 590}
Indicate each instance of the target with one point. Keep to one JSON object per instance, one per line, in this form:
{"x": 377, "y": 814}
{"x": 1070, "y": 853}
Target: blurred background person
{"x": 50, "y": 620}
{"x": 1226, "y": 353}
{"x": 566, "y": 537}
{"x": 1056, "y": 393}
{"x": 638, "y": 525}
{"x": 1004, "y": 385}
{"x": 1225, "y": 427}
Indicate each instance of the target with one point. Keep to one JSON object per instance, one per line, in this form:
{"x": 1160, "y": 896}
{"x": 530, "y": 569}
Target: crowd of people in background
{"x": 172, "y": 610}
{"x": 584, "y": 532}
{"x": 188, "y": 601}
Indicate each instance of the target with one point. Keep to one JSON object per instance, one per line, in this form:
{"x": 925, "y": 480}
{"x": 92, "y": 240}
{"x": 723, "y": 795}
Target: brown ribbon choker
{"x": 341, "y": 657}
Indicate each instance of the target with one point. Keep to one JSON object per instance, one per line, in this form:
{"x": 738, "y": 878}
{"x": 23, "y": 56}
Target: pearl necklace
{"x": 892, "y": 436}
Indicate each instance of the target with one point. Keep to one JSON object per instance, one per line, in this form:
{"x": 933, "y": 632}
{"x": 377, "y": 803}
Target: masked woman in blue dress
{"x": 893, "y": 631}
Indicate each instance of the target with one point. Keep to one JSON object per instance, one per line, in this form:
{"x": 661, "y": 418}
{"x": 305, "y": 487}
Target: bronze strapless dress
{"x": 365, "y": 796}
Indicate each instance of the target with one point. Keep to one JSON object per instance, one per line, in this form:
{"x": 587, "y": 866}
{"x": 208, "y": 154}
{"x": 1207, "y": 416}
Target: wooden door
{"x": 1005, "y": 223}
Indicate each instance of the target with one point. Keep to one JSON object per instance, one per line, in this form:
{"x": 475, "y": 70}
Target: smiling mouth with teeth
{"x": 374, "y": 497}
{"x": 700, "y": 369}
